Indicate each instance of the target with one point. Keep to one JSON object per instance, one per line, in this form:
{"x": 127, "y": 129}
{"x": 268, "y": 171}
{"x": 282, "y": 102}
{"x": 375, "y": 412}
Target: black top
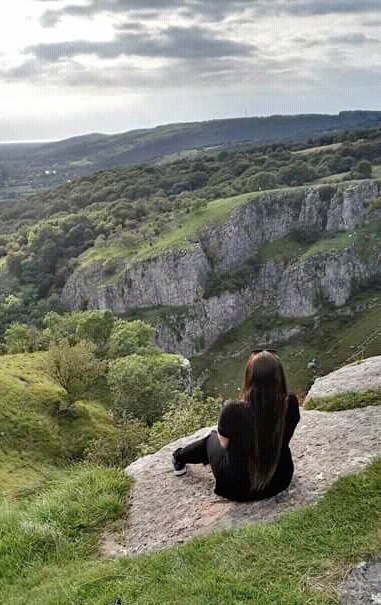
{"x": 232, "y": 479}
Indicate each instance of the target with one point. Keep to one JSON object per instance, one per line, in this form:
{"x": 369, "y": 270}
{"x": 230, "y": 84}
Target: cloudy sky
{"x": 70, "y": 67}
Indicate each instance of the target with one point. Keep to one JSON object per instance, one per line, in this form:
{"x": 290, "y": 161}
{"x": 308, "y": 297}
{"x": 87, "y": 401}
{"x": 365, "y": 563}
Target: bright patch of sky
{"x": 70, "y": 67}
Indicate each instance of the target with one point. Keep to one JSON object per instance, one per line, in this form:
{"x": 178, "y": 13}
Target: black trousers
{"x": 204, "y": 451}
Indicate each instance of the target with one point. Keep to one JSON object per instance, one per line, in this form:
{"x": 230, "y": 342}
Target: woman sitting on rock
{"x": 249, "y": 454}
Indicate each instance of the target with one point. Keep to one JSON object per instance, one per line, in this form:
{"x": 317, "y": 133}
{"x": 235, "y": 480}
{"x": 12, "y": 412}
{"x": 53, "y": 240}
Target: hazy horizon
{"x": 75, "y": 135}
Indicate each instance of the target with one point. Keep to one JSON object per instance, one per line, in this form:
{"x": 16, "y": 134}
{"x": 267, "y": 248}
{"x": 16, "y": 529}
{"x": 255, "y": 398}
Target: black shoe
{"x": 179, "y": 468}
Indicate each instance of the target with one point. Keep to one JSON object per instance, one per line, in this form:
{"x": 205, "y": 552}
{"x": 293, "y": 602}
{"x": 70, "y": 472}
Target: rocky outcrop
{"x": 167, "y": 510}
{"x": 360, "y": 376}
{"x": 180, "y": 278}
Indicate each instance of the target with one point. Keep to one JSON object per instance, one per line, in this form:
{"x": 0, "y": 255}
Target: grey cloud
{"x": 325, "y": 7}
{"x": 182, "y": 74}
{"x": 195, "y": 73}
{"x": 213, "y": 9}
{"x": 51, "y": 17}
{"x": 353, "y": 39}
{"x": 372, "y": 23}
{"x": 27, "y": 71}
{"x": 129, "y": 26}
{"x": 174, "y": 43}
{"x": 352, "y": 77}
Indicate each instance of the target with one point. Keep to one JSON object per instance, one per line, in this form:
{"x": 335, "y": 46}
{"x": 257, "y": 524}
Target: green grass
{"x": 362, "y": 240}
{"x": 61, "y": 524}
{"x": 336, "y": 340}
{"x": 340, "y": 176}
{"x": 344, "y": 401}
{"x": 48, "y": 553}
{"x": 331, "y": 244}
{"x": 281, "y": 249}
{"x": 33, "y": 442}
{"x": 318, "y": 149}
{"x": 333, "y": 178}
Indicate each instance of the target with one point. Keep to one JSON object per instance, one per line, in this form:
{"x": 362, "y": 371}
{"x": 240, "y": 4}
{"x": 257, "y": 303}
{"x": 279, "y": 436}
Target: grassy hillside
{"x": 336, "y": 339}
{"x": 34, "y": 442}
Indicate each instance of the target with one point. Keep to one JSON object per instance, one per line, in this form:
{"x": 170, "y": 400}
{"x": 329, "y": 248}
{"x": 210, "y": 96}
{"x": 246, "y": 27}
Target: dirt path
{"x": 167, "y": 510}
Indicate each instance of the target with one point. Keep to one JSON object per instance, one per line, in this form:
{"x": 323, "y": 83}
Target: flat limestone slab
{"x": 167, "y": 510}
{"x": 359, "y": 377}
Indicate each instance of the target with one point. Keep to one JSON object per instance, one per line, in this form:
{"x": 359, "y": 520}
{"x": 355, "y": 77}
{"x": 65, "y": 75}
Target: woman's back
{"x": 237, "y": 424}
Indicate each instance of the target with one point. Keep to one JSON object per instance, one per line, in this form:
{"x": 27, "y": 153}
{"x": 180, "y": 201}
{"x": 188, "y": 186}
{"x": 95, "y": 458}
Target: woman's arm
{"x": 224, "y": 441}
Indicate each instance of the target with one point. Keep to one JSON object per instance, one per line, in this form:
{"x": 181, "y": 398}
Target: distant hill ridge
{"x": 106, "y": 151}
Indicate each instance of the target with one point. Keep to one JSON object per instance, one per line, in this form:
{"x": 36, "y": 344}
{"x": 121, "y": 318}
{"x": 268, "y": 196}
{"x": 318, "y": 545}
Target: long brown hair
{"x": 264, "y": 390}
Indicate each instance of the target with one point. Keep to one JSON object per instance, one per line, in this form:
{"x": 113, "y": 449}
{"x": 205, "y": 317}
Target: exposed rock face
{"x": 179, "y": 278}
{"x": 363, "y": 585}
{"x": 359, "y": 377}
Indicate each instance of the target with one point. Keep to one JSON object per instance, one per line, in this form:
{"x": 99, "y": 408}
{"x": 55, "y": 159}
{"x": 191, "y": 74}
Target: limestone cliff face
{"x": 180, "y": 278}
{"x": 176, "y": 277}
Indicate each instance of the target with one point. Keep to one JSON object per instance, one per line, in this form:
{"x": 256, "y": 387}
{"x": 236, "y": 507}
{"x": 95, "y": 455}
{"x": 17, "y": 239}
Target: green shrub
{"x": 121, "y": 448}
{"x": 23, "y": 338}
{"x": 94, "y": 326}
{"x": 199, "y": 343}
{"x": 327, "y": 192}
{"x": 142, "y": 385}
{"x": 266, "y": 180}
{"x": 129, "y": 337}
{"x": 183, "y": 416}
{"x": 376, "y": 202}
{"x": 233, "y": 280}
{"x": 74, "y": 368}
{"x": 305, "y": 234}
{"x": 362, "y": 170}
